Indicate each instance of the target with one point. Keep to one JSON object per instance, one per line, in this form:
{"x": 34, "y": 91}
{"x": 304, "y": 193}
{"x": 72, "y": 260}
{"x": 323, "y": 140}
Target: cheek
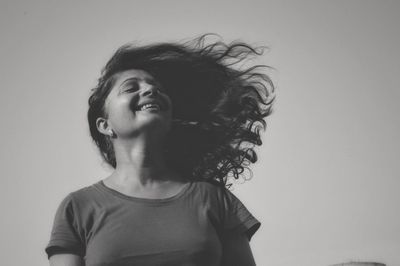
{"x": 169, "y": 111}
{"x": 119, "y": 113}
{"x": 168, "y": 101}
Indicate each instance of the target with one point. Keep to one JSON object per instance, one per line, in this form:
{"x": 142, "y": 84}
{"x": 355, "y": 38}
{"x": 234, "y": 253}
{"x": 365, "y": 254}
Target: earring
{"x": 112, "y": 133}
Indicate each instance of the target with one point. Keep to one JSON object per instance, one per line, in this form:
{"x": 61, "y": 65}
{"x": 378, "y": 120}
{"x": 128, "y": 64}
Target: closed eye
{"x": 131, "y": 87}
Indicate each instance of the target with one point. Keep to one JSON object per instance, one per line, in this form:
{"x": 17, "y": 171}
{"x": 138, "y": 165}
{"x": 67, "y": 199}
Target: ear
{"x": 103, "y": 126}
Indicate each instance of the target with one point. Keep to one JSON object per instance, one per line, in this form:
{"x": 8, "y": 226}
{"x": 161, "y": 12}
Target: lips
{"x": 153, "y": 105}
{"x": 149, "y": 106}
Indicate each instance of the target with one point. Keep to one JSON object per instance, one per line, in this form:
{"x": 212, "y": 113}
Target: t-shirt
{"x": 107, "y": 228}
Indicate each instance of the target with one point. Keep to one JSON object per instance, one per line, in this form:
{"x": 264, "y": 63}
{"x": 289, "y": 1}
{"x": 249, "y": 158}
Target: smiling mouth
{"x": 149, "y": 106}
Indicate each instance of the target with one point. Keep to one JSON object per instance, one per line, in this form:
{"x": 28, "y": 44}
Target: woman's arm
{"x": 236, "y": 250}
{"x": 66, "y": 260}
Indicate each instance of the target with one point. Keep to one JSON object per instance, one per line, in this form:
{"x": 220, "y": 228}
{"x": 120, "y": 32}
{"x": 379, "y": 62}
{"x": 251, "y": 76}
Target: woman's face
{"x": 137, "y": 104}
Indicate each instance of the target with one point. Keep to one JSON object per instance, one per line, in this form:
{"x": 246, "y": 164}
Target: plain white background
{"x": 326, "y": 187}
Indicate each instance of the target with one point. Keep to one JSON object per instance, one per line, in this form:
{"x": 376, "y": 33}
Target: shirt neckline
{"x": 185, "y": 190}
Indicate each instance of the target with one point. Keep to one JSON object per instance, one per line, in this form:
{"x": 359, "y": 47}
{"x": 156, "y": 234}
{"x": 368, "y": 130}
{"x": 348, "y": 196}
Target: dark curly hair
{"x": 219, "y": 106}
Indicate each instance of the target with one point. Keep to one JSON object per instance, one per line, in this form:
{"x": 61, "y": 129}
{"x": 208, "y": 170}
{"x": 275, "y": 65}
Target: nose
{"x": 151, "y": 90}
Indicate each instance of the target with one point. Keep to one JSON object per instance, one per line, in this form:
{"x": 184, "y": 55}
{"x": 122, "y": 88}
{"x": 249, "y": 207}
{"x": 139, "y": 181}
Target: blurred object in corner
{"x": 359, "y": 263}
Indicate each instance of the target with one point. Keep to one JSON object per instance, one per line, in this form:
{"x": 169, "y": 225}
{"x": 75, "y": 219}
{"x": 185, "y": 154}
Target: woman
{"x": 175, "y": 121}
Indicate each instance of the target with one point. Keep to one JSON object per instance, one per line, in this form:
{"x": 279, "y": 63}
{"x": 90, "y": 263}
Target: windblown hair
{"x": 218, "y": 106}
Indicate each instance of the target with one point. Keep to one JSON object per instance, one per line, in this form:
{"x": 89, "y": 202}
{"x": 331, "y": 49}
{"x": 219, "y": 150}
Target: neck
{"x": 140, "y": 162}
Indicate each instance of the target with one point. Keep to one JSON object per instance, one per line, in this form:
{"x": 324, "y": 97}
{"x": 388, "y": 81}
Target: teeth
{"x": 149, "y": 105}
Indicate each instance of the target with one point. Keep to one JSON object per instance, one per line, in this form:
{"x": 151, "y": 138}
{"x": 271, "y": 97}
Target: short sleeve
{"x": 236, "y": 217}
{"x": 65, "y": 236}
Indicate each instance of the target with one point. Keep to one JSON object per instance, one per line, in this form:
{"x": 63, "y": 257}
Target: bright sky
{"x": 326, "y": 187}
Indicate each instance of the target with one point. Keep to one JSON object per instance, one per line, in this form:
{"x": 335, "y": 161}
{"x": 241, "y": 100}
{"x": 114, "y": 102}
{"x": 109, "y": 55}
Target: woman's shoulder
{"x": 84, "y": 191}
{"x": 209, "y": 186}
{"x": 82, "y": 196}
{"x": 218, "y": 192}
{"x": 211, "y": 190}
